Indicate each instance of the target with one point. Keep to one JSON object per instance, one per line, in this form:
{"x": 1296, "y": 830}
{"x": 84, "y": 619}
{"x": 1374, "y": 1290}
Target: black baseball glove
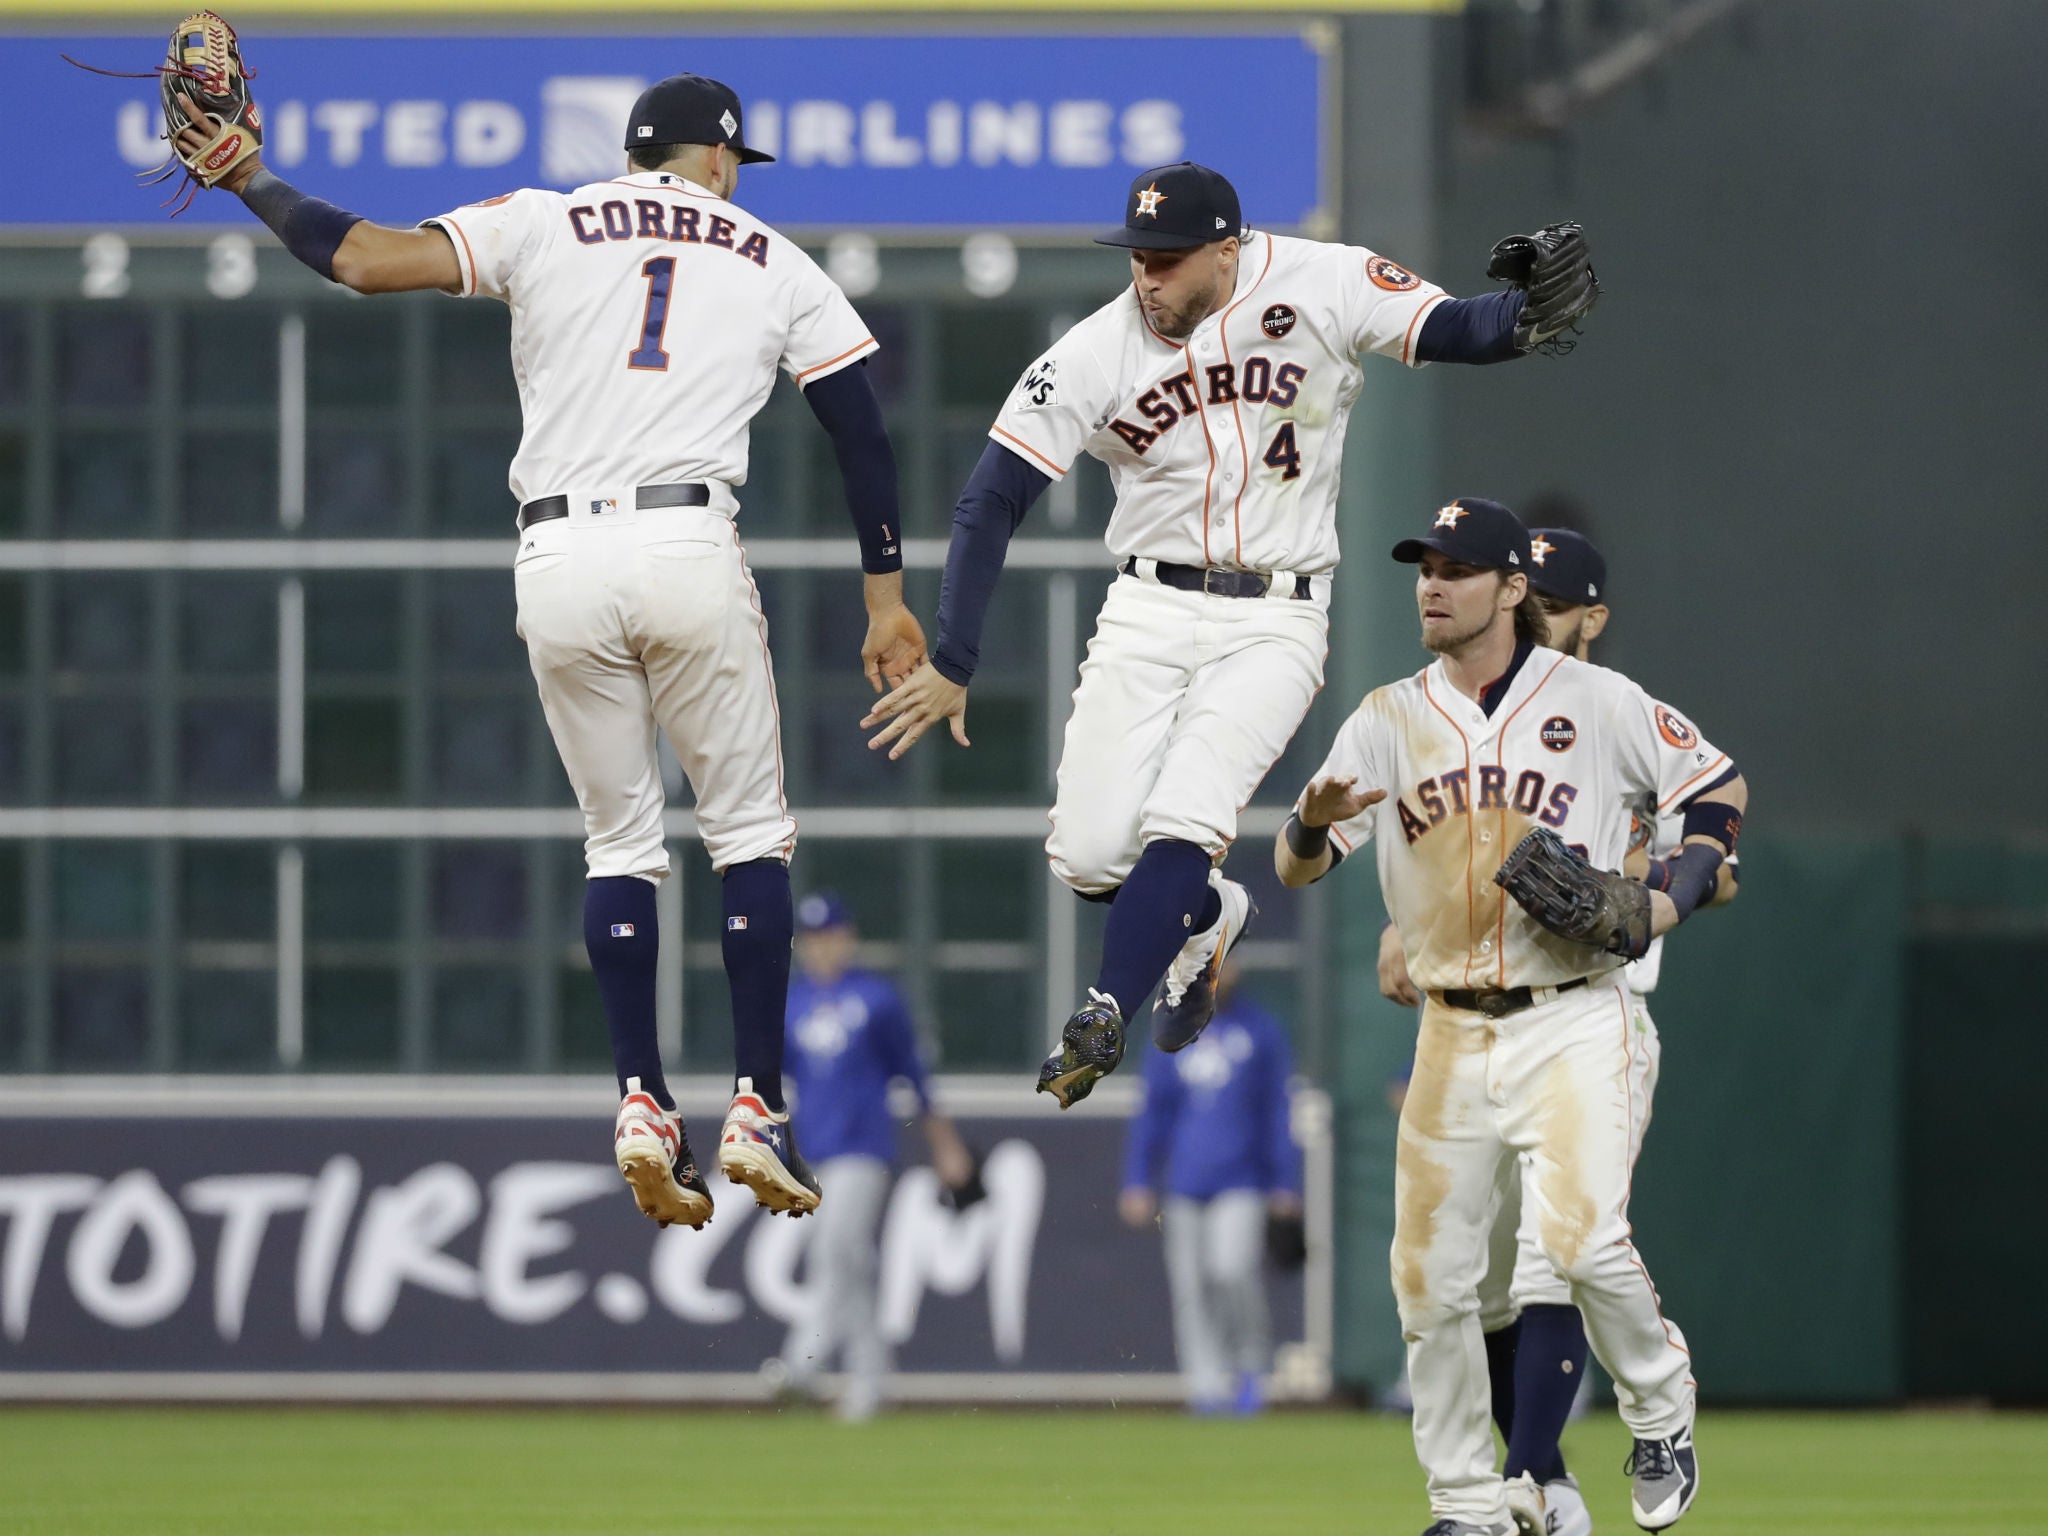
{"x": 1574, "y": 900}
{"x": 1286, "y": 1239}
{"x": 970, "y": 1191}
{"x": 1553, "y": 270}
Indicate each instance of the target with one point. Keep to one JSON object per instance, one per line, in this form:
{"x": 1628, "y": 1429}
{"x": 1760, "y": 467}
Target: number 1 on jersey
{"x": 660, "y": 273}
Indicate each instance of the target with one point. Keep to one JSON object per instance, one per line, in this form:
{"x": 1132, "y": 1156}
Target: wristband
{"x": 1687, "y": 877}
{"x": 1304, "y": 841}
{"x": 1713, "y": 818}
{"x": 310, "y": 229}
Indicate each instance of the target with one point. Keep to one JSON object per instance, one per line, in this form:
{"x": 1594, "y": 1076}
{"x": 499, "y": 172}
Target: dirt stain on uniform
{"x": 1421, "y": 1183}
{"x": 1566, "y": 1214}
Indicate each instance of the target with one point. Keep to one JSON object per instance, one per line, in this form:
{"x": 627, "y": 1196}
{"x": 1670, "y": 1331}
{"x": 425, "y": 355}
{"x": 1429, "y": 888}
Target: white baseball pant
{"x": 840, "y": 1314}
{"x": 1185, "y": 702}
{"x": 1568, "y": 1083}
{"x": 1221, "y": 1327}
{"x": 636, "y": 620}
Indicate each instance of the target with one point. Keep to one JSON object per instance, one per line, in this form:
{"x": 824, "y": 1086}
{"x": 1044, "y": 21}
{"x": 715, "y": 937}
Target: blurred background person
{"x": 850, "y": 1038}
{"x": 1215, "y": 1132}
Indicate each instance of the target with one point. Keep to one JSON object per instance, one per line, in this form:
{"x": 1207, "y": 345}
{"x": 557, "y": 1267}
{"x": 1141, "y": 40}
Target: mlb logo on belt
{"x": 604, "y": 504}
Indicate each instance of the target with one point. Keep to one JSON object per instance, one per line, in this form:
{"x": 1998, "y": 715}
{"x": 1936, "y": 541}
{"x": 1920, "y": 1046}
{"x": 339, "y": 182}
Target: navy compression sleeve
{"x": 311, "y": 230}
{"x": 846, "y": 407}
{"x": 1480, "y": 330}
{"x": 997, "y": 495}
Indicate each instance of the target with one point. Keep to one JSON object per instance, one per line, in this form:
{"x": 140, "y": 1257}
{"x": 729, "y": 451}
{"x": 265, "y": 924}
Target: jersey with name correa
{"x": 1568, "y": 746}
{"x": 1225, "y": 449}
{"x": 648, "y": 319}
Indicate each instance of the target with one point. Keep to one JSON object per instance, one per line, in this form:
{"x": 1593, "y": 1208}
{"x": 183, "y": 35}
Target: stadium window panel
{"x": 1007, "y": 762}
{"x": 102, "y": 892}
{"x": 13, "y": 482}
{"x": 480, "y": 750}
{"x": 13, "y": 894}
{"x": 471, "y": 499}
{"x": 982, "y": 351}
{"x": 13, "y": 753}
{"x": 13, "y": 626}
{"x": 988, "y": 1021}
{"x": 842, "y": 769}
{"x": 355, "y": 482}
{"x": 229, "y": 482}
{"x": 353, "y": 749}
{"x": 581, "y": 1040}
{"x": 227, "y": 750}
{"x": 227, "y": 1021}
{"x": 352, "y": 625}
{"x": 479, "y": 891}
{"x": 227, "y": 625}
{"x": 707, "y": 1022}
{"x": 868, "y": 875}
{"x": 103, "y": 485}
{"x": 104, "y": 357}
{"x": 354, "y": 355}
{"x": 479, "y": 1019}
{"x": 472, "y": 357}
{"x": 101, "y": 1017}
{"x": 227, "y": 892}
{"x": 103, "y": 749}
{"x": 835, "y": 623}
{"x": 14, "y": 355}
{"x": 103, "y": 622}
{"x": 352, "y": 892}
{"x": 473, "y": 617}
{"x": 13, "y": 1018}
{"x": 351, "y": 1017}
{"x": 228, "y": 359}
{"x": 989, "y": 890}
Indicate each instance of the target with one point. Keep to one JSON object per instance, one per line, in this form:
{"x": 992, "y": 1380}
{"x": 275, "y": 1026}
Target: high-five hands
{"x": 913, "y": 707}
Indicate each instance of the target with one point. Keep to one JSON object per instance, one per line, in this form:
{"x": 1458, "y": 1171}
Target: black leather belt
{"x": 684, "y": 493}
{"x": 1499, "y": 1002}
{"x": 1199, "y": 578}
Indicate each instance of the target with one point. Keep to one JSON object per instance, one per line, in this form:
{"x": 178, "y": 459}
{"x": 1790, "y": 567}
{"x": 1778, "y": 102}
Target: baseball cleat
{"x": 1667, "y": 1478}
{"x": 1564, "y": 1509}
{"x": 654, "y": 1155}
{"x": 1090, "y": 1047}
{"x": 1466, "y": 1528}
{"x": 1526, "y": 1506}
{"x": 1188, "y": 1004}
{"x": 758, "y": 1149}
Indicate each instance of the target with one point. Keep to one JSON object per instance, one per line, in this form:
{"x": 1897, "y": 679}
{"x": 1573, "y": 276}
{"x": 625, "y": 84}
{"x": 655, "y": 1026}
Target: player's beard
{"x": 1179, "y": 322}
{"x": 1445, "y": 641}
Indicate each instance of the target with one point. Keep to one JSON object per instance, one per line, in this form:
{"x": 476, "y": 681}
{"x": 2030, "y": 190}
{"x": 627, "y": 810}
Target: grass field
{"x": 355, "y": 1472}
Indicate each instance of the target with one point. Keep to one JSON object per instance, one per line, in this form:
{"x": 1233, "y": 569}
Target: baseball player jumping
{"x": 1216, "y": 389}
{"x": 1505, "y": 770}
{"x": 649, "y": 314}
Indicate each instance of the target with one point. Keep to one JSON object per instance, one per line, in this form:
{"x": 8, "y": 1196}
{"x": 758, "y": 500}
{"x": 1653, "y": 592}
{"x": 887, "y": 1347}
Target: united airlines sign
{"x": 876, "y": 130}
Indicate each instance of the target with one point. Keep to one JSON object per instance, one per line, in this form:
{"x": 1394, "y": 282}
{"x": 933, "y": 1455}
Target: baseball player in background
{"x": 850, "y": 1037}
{"x": 1216, "y": 1129}
{"x": 649, "y": 315}
{"x": 1473, "y": 774}
{"x": 1216, "y": 388}
{"x": 1535, "y": 1338}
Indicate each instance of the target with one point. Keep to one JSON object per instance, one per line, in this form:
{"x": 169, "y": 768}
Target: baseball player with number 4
{"x": 1216, "y": 388}
{"x": 1498, "y": 782}
{"x": 649, "y": 316}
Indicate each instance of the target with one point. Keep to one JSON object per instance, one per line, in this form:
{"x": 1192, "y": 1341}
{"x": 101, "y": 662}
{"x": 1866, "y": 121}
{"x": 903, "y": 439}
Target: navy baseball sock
{"x": 759, "y": 928}
{"x": 1550, "y": 1363}
{"x": 1156, "y": 909}
{"x": 1500, "y": 1376}
{"x": 621, "y": 932}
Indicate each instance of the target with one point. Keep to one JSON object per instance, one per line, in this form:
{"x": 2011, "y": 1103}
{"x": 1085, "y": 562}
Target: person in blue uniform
{"x": 1215, "y": 1134}
{"x": 850, "y": 1038}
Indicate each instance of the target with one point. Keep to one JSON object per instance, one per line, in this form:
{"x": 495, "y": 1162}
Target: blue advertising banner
{"x": 910, "y": 131}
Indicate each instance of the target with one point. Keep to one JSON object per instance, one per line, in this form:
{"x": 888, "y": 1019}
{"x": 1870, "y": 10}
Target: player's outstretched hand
{"x": 1335, "y": 799}
{"x": 913, "y": 707}
{"x": 192, "y": 141}
{"x": 894, "y": 647}
{"x": 1395, "y": 984}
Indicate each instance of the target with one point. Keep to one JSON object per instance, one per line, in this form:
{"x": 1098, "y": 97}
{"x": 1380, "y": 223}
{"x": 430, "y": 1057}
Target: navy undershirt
{"x": 1491, "y": 695}
{"x": 1480, "y": 330}
{"x": 998, "y": 494}
{"x": 846, "y": 407}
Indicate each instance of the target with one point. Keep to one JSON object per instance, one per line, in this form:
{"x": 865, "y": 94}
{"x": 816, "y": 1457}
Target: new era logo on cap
{"x": 646, "y": 132}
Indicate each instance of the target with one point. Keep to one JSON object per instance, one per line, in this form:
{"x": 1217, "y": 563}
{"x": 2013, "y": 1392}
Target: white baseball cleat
{"x": 1667, "y": 1479}
{"x": 1565, "y": 1512}
{"x": 1525, "y": 1505}
{"x": 758, "y": 1149}
{"x": 1188, "y": 1004}
{"x": 654, "y": 1154}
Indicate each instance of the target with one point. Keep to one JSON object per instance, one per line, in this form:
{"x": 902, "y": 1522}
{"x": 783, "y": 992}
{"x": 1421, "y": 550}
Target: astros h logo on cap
{"x": 1448, "y": 516}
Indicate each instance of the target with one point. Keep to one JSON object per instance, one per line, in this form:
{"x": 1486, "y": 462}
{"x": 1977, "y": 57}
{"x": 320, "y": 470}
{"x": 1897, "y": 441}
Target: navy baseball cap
{"x": 1566, "y": 566}
{"x": 1176, "y": 208}
{"x": 690, "y": 109}
{"x": 1472, "y": 531}
{"x": 821, "y": 910}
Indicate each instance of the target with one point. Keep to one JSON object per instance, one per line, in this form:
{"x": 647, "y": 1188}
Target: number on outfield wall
{"x": 231, "y": 266}
{"x": 660, "y": 272}
{"x": 106, "y": 267}
{"x": 1282, "y": 455}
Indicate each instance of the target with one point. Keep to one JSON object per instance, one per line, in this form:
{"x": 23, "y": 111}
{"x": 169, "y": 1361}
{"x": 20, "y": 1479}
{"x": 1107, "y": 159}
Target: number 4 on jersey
{"x": 1282, "y": 455}
{"x": 660, "y": 273}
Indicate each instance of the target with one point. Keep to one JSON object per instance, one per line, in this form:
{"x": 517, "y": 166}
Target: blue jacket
{"x": 1217, "y": 1112}
{"x": 846, "y": 1042}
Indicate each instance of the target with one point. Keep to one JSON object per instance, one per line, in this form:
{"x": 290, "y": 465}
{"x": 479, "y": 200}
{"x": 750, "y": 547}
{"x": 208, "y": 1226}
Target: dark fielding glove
{"x": 1286, "y": 1239}
{"x": 1552, "y": 269}
{"x": 1574, "y": 900}
{"x": 970, "y": 1192}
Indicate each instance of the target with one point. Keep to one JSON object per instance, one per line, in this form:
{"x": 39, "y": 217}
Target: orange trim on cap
{"x": 850, "y": 353}
{"x": 1051, "y": 468}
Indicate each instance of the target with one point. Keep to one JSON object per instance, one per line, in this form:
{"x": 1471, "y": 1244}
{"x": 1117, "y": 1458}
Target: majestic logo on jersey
{"x": 675, "y": 224}
{"x": 1558, "y": 733}
{"x": 1149, "y": 201}
{"x": 1672, "y": 727}
{"x": 1041, "y": 385}
{"x": 1447, "y": 517}
{"x": 1539, "y": 548}
{"x": 1277, "y": 321}
{"x": 1391, "y": 275}
{"x": 1449, "y": 794}
{"x": 1256, "y": 380}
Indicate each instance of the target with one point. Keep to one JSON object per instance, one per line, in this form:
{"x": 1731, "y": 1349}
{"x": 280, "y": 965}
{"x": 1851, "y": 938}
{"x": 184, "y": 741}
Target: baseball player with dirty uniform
{"x": 1498, "y": 782}
{"x": 1535, "y": 1338}
{"x": 649, "y": 316}
{"x": 1216, "y": 389}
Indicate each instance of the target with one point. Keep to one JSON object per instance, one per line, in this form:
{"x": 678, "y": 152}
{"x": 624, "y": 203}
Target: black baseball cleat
{"x": 1090, "y": 1047}
{"x": 1188, "y": 1003}
{"x": 1667, "y": 1478}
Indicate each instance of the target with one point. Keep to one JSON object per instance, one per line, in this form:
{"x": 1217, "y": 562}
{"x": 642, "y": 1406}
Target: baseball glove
{"x": 1574, "y": 900}
{"x": 204, "y": 62}
{"x": 1286, "y": 1239}
{"x": 1552, "y": 269}
{"x": 970, "y": 1192}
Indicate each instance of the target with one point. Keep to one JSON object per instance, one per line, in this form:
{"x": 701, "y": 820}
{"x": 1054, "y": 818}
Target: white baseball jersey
{"x": 648, "y": 319}
{"x": 1225, "y": 449}
{"x": 1568, "y": 746}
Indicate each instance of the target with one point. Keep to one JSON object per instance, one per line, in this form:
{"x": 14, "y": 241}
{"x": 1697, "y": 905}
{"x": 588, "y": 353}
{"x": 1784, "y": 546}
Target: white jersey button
{"x": 1486, "y": 946}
